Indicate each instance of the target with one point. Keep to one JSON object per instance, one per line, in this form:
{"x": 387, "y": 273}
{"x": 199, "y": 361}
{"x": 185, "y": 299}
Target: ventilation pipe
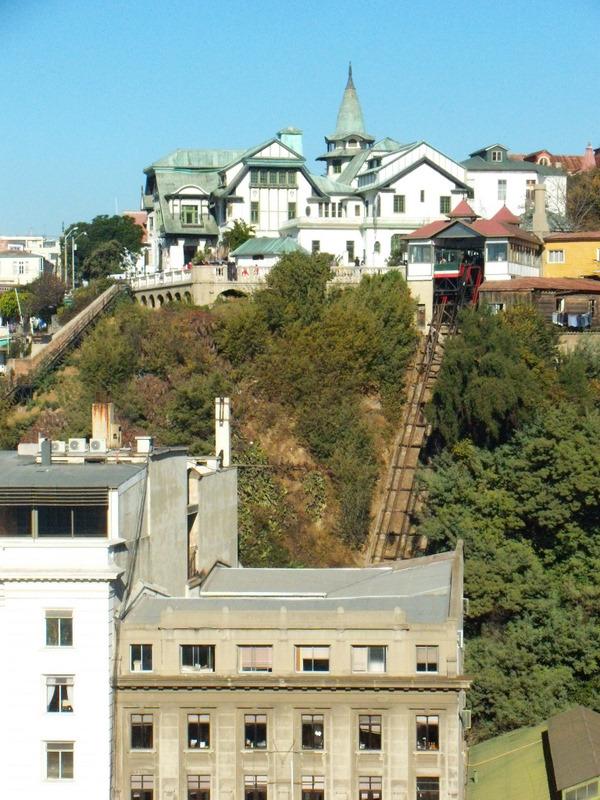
{"x": 223, "y": 431}
{"x": 540, "y": 218}
{"x": 45, "y": 452}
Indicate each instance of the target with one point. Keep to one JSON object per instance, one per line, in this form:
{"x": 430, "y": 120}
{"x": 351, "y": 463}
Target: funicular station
{"x": 459, "y": 252}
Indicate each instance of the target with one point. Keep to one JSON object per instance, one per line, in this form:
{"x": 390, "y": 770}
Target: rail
{"x": 25, "y": 373}
{"x": 390, "y": 537}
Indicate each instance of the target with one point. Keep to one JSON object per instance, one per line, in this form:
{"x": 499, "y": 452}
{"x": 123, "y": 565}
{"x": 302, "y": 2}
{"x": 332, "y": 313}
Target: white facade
{"x": 46, "y": 246}
{"x": 19, "y": 268}
{"x": 492, "y": 190}
{"x": 74, "y": 579}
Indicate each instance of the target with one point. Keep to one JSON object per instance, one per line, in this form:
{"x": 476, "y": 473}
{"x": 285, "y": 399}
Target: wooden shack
{"x": 569, "y": 303}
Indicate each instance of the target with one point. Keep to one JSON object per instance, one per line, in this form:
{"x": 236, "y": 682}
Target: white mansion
{"x": 371, "y": 196}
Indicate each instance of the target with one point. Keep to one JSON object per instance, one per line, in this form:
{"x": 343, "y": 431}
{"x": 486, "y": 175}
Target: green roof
{"x": 267, "y": 246}
{"x": 196, "y": 159}
{"x": 331, "y": 186}
{"x": 350, "y": 117}
{"x": 509, "y": 767}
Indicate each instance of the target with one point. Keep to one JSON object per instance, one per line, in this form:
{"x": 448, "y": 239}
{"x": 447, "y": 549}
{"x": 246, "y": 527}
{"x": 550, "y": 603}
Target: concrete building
{"x": 573, "y": 254}
{"x": 280, "y": 684}
{"x": 18, "y": 268}
{"x": 46, "y": 246}
{"x": 84, "y": 527}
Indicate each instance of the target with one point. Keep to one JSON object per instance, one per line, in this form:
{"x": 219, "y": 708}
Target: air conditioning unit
{"x": 97, "y": 445}
{"x": 60, "y": 448}
{"x": 77, "y": 445}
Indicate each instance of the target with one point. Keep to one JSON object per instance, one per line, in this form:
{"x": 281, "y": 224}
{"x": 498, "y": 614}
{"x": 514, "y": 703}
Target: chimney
{"x": 104, "y": 425}
{"x": 45, "y": 452}
{"x": 144, "y": 445}
{"x": 292, "y": 137}
{"x": 222, "y": 431}
{"x": 540, "y": 218}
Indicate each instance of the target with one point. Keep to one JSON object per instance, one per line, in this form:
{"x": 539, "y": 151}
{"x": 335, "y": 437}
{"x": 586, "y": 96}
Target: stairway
{"x": 23, "y": 374}
{"x": 392, "y": 536}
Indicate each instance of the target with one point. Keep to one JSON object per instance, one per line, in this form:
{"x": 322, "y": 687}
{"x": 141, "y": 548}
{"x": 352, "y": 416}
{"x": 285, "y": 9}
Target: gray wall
{"x": 215, "y": 530}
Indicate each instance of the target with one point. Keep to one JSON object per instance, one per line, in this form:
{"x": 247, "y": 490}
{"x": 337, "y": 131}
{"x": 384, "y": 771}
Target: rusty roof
{"x": 574, "y": 739}
{"x": 573, "y": 236}
{"x": 585, "y": 285}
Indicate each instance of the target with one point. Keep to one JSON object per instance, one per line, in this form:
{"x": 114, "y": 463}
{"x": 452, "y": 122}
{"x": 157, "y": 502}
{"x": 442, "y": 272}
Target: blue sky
{"x": 94, "y": 90}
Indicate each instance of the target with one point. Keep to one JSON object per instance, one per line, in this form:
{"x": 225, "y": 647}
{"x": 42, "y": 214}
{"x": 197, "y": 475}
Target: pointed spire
{"x": 350, "y": 117}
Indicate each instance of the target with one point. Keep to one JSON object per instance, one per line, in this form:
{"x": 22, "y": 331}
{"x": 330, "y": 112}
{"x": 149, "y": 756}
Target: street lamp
{"x": 73, "y": 240}
{"x": 68, "y": 234}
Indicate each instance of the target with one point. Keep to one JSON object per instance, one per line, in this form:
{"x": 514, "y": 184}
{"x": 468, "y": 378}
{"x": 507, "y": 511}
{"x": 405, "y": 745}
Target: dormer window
{"x": 544, "y": 161}
{"x": 352, "y": 143}
{"x": 496, "y": 155}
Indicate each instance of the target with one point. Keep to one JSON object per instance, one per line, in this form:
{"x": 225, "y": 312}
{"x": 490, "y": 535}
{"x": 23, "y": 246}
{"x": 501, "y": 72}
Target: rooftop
{"x": 573, "y": 236}
{"x": 574, "y": 738}
{"x": 421, "y": 588}
{"x": 22, "y": 472}
{"x": 267, "y": 246}
{"x": 549, "y": 284}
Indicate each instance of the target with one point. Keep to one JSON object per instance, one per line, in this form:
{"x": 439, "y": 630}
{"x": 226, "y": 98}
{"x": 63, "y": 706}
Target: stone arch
{"x": 187, "y": 296}
{"x": 178, "y": 297}
{"x": 160, "y": 299}
{"x": 143, "y": 300}
{"x": 230, "y": 294}
{"x": 152, "y": 301}
{"x": 169, "y": 298}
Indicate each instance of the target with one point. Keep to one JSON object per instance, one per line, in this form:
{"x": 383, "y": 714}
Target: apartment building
{"x": 84, "y": 525}
{"x": 281, "y": 684}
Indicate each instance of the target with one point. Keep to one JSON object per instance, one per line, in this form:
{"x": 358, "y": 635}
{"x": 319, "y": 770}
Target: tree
{"x": 103, "y": 229}
{"x": 46, "y": 294}
{"x": 583, "y": 200}
{"x": 239, "y": 234}
{"x": 108, "y": 258}
{"x": 9, "y": 305}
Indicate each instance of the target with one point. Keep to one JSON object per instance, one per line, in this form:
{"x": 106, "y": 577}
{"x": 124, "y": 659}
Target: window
{"x": 141, "y": 657}
{"x": 142, "y": 732}
{"x": 313, "y": 732}
{"x": 254, "y": 212}
{"x": 597, "y": 254}
{"x": 198, "y": 731}
{"x": 444, "y": 204}
{"x": 337, "y": 166}
{"x": 59, "y": 695}
{"x": 502, "y": 190}
{"x": 377, "y": 247}
{"x": 315, "y": 246}
{"x": 350, "y": 250}
{"x": 77, "y": 521}
{"x": 399, "y": 203}
{"x": 59, "y": 628}
{"x": 496, "y": 155}
{"x": 312, "y": 659}
{"x": 15, "y": 521}
{"x": 369, "y": 788}
{"x": 255, "y": 658}
{"x": 422, "y": 195}
{"x": 369, "y": 659}
{"x": 544, "y": 161}
{"x": 428, "y": 732}
{"x": 427, "y": 658}
{"x": 189, "y": 215}
{"x": 496, "y": 251}
{"x": 59, "y": 760}
{"x": 369, "y": 732}
{"x": 197, "y": 657}
{"x": 313, "y": 787}
{"x": 291, "y": 210}
{"x": 255, "y": 731}
{"x": 592, "y": 307}
{"x": 556, "y": 256}
{"x": 142, "y": 787}
{"x": 428, "y": 789}
{"x": 420, "y": 253}
{"x": 588, "y": 790}
{"x": 530, "y": 190}
{"x": 198, "y": 787}
{"x": 255, "y": 787}
{"x": 357, "y": 214}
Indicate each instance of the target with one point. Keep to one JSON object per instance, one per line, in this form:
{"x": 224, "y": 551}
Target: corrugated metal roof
{"x": 573, "y": 236}
{"x": 574, "y": 738}
{"x": 183, "y": 158}
{"x": 264, "y": 245}
{"x": 478, "y": 164}
{"x": 542, "y": 284}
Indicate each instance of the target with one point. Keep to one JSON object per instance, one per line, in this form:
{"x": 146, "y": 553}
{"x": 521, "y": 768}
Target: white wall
{"x": 19, "y": 270}
{"x": 485, "y": 186}
{"x": 27, "y": 724}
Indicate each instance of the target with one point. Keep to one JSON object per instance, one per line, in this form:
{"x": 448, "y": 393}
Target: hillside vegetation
{"x": 516, "y": 475}
{"x": 315, "y": 379}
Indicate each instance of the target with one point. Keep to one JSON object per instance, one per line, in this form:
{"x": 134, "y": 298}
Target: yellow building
{"x": 572, "y": 255}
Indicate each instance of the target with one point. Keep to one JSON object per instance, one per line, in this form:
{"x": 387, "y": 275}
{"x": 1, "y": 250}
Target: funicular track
{"x": 391, "y": 536}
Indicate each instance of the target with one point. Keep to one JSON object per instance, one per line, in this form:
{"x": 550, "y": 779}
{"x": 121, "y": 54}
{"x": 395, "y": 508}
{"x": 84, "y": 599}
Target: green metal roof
{"x": 509, "y": 767}
{"x": 267, "y": 246}
{"x": 196, "y": 159}
{"x": 350, "y": 117}
{"x": 331, "y": 186}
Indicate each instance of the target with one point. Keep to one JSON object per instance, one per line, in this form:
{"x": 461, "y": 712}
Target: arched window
{"x": 377, "y": 247}
{"x": 544, "y": 161}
